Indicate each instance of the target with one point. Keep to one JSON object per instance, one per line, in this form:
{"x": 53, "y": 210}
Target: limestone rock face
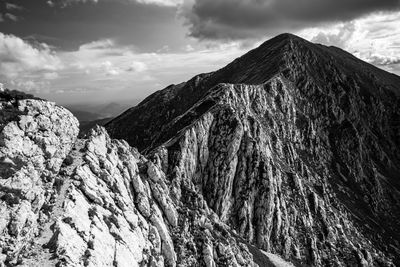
{"x": 97, "y": 201}
{"x": 36, "y": 136}
{"x": 254, "y": 178}
{"x": 295, "y": 146}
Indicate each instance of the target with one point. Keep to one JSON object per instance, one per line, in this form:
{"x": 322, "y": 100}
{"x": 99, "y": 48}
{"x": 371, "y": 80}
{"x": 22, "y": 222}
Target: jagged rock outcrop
{"x": 99, "y": 202}
{"x": 254, "y": 178}
{"x": 294, "y": 145}
{"x": 35, "y": 138}
{"x": 118, "y": 212}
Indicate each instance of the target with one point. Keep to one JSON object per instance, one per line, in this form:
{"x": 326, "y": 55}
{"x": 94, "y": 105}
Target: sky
{"x": 99, "y": 51}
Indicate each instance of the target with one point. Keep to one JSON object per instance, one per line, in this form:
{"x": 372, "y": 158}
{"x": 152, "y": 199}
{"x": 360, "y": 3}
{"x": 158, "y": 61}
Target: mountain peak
{"x": 298, "y": 60}
{"x": 285, "y": 37}
{"x": 306, "y": 112}
{"x": 283, "y": 43}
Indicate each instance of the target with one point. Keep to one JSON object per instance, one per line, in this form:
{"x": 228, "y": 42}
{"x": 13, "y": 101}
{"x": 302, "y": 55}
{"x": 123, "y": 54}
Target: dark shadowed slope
{"x": 288, "y": 144}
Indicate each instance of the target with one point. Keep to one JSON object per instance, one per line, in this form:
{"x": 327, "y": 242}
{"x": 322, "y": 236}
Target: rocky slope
{"x": 295, "y": 146}
{"x": 97, "y": 202}
{"x": 35, "y": 138}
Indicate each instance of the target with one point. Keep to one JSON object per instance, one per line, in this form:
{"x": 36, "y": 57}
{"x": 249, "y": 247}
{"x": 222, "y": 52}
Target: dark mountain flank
{"x": 295, "y": 146}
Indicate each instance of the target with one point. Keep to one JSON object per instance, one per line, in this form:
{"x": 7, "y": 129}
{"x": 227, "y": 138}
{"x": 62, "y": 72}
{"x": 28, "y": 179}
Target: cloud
{"x": 160, "y": 2}
{"x": 373, "y": 38}
{"x": 7, "y": 11}
{"x": 381, "y": 60}
{"x": 137, "y": 66}
{"x": 113, "y": 70}
{"x": 240, "y": 19}
{"x": 338, "y": 34}
{"x": 11, "y": 17}
{"x": 26, "y": 66}
{"x": 100, "y": 44}
{"x": 65, "y": 3}
{"x": 50, "y": 3}
{"x": 17, "y": 57}
{"x": 11, "y": 6}
{"x": 99, "y": 57}
{"x": 109, "y": 68}
{"x": 102, "y": 69}
{"x": 50, "y": 75}
{"x": 30, "y": 85}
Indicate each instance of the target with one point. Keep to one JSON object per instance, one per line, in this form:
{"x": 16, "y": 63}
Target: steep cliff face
{"x": 255, "y": 168}
{"x": 294, "y": 145}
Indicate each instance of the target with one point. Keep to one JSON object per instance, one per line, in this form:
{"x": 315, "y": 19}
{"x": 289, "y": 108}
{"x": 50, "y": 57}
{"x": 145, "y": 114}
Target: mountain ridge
{"x": 345, "y": 113}
{"x": 271, "y": 51}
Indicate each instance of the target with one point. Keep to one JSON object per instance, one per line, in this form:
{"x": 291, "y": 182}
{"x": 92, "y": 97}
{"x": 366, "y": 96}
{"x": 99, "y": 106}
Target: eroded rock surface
{"x": 245, "y": 157}
{"x": 294, "y": 145}
{"x": 98, "y": 202}
{"x": 35, "y": 138}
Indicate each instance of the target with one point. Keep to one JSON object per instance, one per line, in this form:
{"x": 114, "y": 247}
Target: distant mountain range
{"x": 90, "y": 112}
{"x": 90, "y": 115}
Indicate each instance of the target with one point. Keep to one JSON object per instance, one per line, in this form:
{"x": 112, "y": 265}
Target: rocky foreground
{"x": 290, "y": 165}
{"x": 97, "y": 202}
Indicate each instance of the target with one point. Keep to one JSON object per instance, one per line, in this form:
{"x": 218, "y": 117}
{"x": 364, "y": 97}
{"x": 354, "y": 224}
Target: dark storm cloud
{"x": 235, "y": 19}
{"x": 67, "y": 24}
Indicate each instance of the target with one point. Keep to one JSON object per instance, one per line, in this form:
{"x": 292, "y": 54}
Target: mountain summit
{"x": 288, "y": 156}
{"x": 286, "y": 143}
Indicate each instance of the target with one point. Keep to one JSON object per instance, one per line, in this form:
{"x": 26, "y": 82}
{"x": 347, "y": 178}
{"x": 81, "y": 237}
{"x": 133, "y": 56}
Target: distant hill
{"x": 84, "y": 115}
{"x": 90, "y": 115}
{"x": 90, "y": 111}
